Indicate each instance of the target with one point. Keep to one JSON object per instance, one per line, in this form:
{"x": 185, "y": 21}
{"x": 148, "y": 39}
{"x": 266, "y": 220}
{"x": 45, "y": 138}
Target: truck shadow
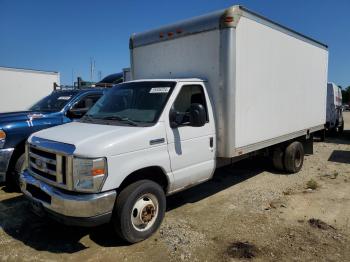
{"x": 343, "y": 139}
{"x": 340, "y": 156}
{"x": 223, "y": 178}
{"x": 44, "y": 234}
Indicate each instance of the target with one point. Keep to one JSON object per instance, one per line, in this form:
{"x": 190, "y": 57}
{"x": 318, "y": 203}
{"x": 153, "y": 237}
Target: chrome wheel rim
{"x": 144, "y": 212}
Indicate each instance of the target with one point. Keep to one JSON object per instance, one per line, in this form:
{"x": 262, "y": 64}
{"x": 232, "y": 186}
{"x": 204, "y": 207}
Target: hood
{"x": 11, "y": 117}
{"x": 96, "y": 140}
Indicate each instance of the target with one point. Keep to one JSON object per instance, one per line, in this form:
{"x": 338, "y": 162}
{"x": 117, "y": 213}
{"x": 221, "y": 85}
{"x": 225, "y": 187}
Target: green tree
{"x": 346, "y": 95}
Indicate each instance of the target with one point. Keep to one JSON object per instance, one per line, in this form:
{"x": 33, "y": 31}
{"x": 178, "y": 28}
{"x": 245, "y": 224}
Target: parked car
{"x": 334, "y": 119}
{"x": 206, "y": 92}
{"x": 61, "y": 106}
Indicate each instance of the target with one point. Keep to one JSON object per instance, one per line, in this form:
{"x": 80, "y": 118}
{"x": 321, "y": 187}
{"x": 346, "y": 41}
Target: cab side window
{"x": 189, "y": 94}
{"x": 80, "y": 108}
{"x": 86, "y": 102}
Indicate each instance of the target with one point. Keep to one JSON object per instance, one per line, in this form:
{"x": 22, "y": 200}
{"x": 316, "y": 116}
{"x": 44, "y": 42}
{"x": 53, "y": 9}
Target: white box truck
{"x": 21, "y": 88}
{"x": 207, "y": 91}
{"x": 334, "y": 119}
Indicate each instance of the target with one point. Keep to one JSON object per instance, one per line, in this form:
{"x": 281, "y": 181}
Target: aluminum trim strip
{"x": 73, "y": 205}
{"x": 52, "y": 146}
{"x": 44, "y": 159}
{"x": 260, "y": 145}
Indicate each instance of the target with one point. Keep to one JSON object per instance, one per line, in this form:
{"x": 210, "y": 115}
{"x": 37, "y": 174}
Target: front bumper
{"x": 70, "y": 208}
{"x": 5, "y": 157}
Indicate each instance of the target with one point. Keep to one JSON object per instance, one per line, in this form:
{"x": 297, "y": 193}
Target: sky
{"x": 65, "y": 35}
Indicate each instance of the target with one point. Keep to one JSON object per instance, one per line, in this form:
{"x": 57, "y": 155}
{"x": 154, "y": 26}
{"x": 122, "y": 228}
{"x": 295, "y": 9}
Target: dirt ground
{"x": 248, "y": 211}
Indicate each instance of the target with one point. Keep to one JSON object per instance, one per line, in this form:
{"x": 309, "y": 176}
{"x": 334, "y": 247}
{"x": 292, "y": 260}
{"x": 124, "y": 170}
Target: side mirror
{"x": 76, "y": 113}
{"x": 197, "y": 114}
{"x": 175, "y": 118}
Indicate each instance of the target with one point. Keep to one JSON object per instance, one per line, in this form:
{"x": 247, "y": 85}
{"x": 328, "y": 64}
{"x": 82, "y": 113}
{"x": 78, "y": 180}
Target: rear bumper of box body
{"x": 69, "y": 208}
{"x": 5, "y": 157}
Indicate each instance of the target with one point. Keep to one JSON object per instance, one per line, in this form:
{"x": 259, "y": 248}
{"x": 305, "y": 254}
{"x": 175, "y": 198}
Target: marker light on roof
{"x": 228, "y": 19}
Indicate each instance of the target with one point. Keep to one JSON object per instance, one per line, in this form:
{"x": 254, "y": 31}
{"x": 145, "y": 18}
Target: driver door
{"x": 191, "y": 149}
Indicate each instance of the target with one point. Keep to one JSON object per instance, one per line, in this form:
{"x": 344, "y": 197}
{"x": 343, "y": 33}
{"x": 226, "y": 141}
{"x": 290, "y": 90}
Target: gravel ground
{"x": 247, "y": 211}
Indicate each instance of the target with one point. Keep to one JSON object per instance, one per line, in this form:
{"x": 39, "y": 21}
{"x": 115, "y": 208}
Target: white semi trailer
{"x": 206, "y": 92}
{"x": 21, "y": 88}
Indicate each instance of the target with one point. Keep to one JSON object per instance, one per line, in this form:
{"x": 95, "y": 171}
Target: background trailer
{"x": 21, "y": 88}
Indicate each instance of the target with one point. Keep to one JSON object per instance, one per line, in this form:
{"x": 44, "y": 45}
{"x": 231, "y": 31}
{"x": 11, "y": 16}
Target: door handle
{"x": 211, "y": 142}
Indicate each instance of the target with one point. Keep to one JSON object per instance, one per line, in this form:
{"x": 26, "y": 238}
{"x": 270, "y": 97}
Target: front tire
{"x": 12, "y": 179}
{"x": 139, "y": 210}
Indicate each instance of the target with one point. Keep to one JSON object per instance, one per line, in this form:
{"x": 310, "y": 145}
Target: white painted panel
{"x": 281, "y": 84}
{"x": 193, "y": 56}
{"x": 20, "y": 89}
{"x": 186, "y": 57}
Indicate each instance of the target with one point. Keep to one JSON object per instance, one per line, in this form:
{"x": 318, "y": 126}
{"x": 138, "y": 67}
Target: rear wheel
{"x": 341, "y": 128}
{"x": 277, "y": 158}
{"x": 139, "y": 210}
{"x": 322, "y": 134}
{"x": 294, "y": 157}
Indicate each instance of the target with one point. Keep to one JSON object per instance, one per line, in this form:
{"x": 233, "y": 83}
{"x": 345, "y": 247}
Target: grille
{"x": 48, "y": 165}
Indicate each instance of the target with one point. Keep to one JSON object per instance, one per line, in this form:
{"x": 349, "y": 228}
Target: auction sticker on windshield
{"x": 155, "y": 90}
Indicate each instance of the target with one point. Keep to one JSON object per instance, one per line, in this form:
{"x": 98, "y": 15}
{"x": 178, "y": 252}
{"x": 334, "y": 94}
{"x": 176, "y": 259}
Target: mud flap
{"x": 309, "y": 145}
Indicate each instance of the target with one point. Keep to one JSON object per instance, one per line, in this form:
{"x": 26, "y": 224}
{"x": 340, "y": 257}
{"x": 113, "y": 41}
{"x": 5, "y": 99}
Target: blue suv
{"x": 60, "y": 107}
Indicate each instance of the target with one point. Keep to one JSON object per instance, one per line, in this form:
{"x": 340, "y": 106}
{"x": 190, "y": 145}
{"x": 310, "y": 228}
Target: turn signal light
{"x": 96, "y": 172}
{"x": 2, "y": 135}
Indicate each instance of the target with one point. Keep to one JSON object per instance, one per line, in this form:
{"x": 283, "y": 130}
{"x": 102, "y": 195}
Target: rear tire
{"x": 294, "y": 157}
{"x": 322, "y": 135}
{"x": 341, "y": 128}
{"x": 139, "y": 210}
{"x": 277, "y": 158}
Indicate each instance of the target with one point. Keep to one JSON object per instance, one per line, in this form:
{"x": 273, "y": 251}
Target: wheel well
{"x": 19, "y": 150}
{"x": 154, "y": 173}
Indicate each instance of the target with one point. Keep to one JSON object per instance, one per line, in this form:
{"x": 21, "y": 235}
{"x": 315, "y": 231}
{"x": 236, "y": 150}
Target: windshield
{"x": 54, "y": 102}
{"x": 134, "y": 103}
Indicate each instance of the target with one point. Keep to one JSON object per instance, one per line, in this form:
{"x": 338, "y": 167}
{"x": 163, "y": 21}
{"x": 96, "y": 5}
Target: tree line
{"x": 346, "y": 95}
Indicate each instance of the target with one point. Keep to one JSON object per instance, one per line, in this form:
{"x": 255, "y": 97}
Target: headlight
{"x": 2, "y": 138}
{"x": 89, "y": 174}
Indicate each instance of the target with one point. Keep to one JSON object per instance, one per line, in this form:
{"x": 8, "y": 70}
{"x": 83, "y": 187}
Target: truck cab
{"x": 60, "y": 107}
{"x": 160, "y": 132}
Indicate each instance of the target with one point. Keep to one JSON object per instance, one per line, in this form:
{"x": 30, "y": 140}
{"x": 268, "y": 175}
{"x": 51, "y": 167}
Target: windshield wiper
{"x": 88, "y": 117}
{"x": 121, "y": 119}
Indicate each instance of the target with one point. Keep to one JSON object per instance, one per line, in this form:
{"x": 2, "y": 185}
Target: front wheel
{"x": 12, "y": 178}
{"x": 139, "y": 210}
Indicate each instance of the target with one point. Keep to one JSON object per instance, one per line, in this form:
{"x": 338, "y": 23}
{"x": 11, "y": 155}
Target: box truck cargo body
{"x": 205, "y": 92}
{"x": 22, "y": 88}
{"x": 266, "y": 82}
